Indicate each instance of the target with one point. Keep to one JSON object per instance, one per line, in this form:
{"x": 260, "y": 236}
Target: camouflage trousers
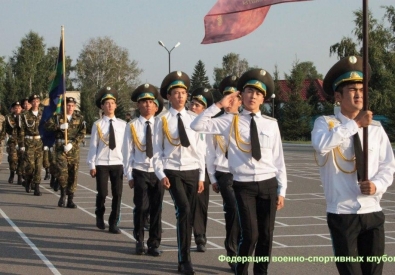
{"x": 52, "y": 160}
{"x": 14, "y": 158}
{"x": 33, "y": 160}
{"x": 67, "y": 165}
{"x": 46, "y": 158}
{"x": 1, "y": 151}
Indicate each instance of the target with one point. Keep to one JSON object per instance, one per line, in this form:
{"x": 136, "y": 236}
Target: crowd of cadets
{"x": 229, "y": 144}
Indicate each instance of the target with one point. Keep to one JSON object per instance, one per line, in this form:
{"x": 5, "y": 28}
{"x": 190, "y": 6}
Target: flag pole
{"x": 64, "y": 90}
{"x": 365, "y": 42}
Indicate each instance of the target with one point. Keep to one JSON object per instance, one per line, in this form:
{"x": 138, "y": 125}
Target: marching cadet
{"x": 218, "y": 171}
{"x": 67, "y": 154}
{"x": 105, "y": 158}
{"x": 256, "y": 160}
{"x": 354, "y": 215}
{"x": 201, "y": 98}
{"x": 25, "y": 107}
{"x": 179, "y": 160}
{"x": 11, "y": 128}
{"x": 138, "y": 167}
{"x": 32, "y": 145}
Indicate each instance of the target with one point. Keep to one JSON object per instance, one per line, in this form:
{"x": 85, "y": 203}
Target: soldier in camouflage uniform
{"x": 30, "y": 142}
{"x": 67, "y": 155}
{"x": 12, "y": 122}
{"x": 2, "y": 136}
{"x": 25, "y": 107}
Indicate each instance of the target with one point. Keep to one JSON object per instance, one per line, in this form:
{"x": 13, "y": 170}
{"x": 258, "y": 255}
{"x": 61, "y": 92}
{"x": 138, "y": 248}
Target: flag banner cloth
{"x": 57, "y": 89}
{"x": 232, "y": 19}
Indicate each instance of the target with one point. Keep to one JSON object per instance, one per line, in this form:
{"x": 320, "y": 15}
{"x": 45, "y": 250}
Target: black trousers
{"x": 183, "y": 190}
{"x": 358, "y": 235}
{"x": 232, "y": 226}
{"x": 200, "y": 220}
{"x": 115, "y": 173}
{"x": 256, "y": 204}
{"x": 148, "y": 197}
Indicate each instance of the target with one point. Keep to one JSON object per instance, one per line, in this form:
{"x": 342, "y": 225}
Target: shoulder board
{"x": 269, "y": 117}
{"x": 332, "y": 121}
{"x": 98, "y": 121}
{"x": 162, "y": 114}
{"x": 376, "y": 123}
{"x": 121, "y": 120}
{"x": 133, "y": 120}
{"x": 192, "y": 113}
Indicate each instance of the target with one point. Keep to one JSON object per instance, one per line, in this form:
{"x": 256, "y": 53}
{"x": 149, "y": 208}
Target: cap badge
{"x": 205, "y": 90}
{"x": 179, "y": 73}
{"x": 108, "y": 88}
{"x": 352, "y": 59}
{"x": 233, "y": 78}
{"x": 146, "y": 85}
{"x": 263, "y": 72}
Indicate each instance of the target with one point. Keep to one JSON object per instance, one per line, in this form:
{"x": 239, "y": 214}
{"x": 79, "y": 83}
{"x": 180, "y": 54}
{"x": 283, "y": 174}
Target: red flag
{"x": 232, "y": 19}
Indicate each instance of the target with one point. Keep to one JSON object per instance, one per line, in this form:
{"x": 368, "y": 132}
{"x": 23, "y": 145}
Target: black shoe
{"x": 52, "y": 182}
{"x": 37, "y": 190}
{"x": 62, "y": 199}
{"x": 28, "y": 187}
{"x": 100, "y": 223}
{"x": 154, "y": 251}
{"x": 11, "y": 178}
{"x": 56, "y": 185}
{"x": 186, "y": 268}
{"x": 114, "y": 229}
{"x": 47, "y": 175}
{"x": 140, "y": 248}
{"x": 19, "y": 180}
{"x": 232, "y": 266}
{"x": 201, "y": 248}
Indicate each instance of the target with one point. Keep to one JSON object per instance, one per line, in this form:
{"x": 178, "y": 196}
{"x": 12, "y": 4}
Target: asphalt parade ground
{"x": 38, "y": 237}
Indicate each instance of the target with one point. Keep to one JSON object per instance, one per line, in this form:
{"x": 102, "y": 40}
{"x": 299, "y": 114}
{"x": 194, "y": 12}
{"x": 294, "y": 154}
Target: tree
{"x": 29, "y": 71}
{"x": 295, "y": 122}
{"x": 103, "y": 63}
{"x": 199, "y": 77}
{"x": 231, "y": 65}
{"x": 381, "y": 58}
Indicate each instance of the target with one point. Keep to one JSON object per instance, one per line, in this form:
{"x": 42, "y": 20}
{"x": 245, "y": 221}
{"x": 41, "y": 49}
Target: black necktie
{"x": 111, "y": 139}
{"x": 358, "y": 157}
{"x": 148, "y": 141}
{"x": 182, "y": 133}
{"x": 255, "y": 147}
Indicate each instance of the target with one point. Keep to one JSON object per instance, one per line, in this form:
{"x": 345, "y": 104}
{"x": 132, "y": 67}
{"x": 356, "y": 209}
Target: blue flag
{"x": 57, "y": 89}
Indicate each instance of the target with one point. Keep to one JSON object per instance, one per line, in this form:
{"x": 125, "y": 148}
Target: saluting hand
{"x": 165, "y": 182}
{"x": 280, "y": 202}
{"x": 215, "y": 187}
{"x": 227, "y": 100}
{"x": 200, "y": 187}
{"x": 367, "y": 187}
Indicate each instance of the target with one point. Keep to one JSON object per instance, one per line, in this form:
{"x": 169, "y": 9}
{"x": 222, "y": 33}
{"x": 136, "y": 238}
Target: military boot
{"x": 52, "y": 182}
{"x": 11, "y": 178}
{"x": 62, "y": 199}
{"x": 47, "y": 174}
{"x": 37, "y": 189}
{"x": 19, "y": 179}
{"x": 28, "y": 186}
{"x": 56, "y": 185}
{"x": 70, "y": 203}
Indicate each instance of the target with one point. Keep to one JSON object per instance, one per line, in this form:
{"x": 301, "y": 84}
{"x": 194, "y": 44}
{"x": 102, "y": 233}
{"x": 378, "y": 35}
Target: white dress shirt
{"x": 243, "y": 167}
{"x": 133, "y": 158}
{"x": 99, "y": 152}
{"x": 342, "y": 192}
{"x": 167, "y": 156}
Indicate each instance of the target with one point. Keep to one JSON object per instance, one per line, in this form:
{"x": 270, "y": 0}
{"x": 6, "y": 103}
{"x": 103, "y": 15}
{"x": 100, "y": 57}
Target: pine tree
{"x": 199, "y": 77}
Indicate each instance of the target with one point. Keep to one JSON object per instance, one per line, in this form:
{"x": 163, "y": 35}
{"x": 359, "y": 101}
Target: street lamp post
{"x": 163, "y": 45}
{"x": 273, "y": 97}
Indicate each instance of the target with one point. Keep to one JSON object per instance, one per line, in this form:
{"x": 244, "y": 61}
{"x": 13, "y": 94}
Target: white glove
{"x": 17, "y": 147}
{"x": 22, "y": 149}
{"x": 51, "y": 149}
{"x": 64, "y": 126}
{"x": 68, "y": 147}
{"x": 46, "y": 148}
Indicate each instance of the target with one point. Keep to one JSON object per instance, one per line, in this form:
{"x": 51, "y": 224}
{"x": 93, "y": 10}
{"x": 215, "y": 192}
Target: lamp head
{"x": 161, "y": 43}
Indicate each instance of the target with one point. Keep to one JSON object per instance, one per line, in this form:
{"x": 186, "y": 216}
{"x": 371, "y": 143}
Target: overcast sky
{"x": 292, "y": 31}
